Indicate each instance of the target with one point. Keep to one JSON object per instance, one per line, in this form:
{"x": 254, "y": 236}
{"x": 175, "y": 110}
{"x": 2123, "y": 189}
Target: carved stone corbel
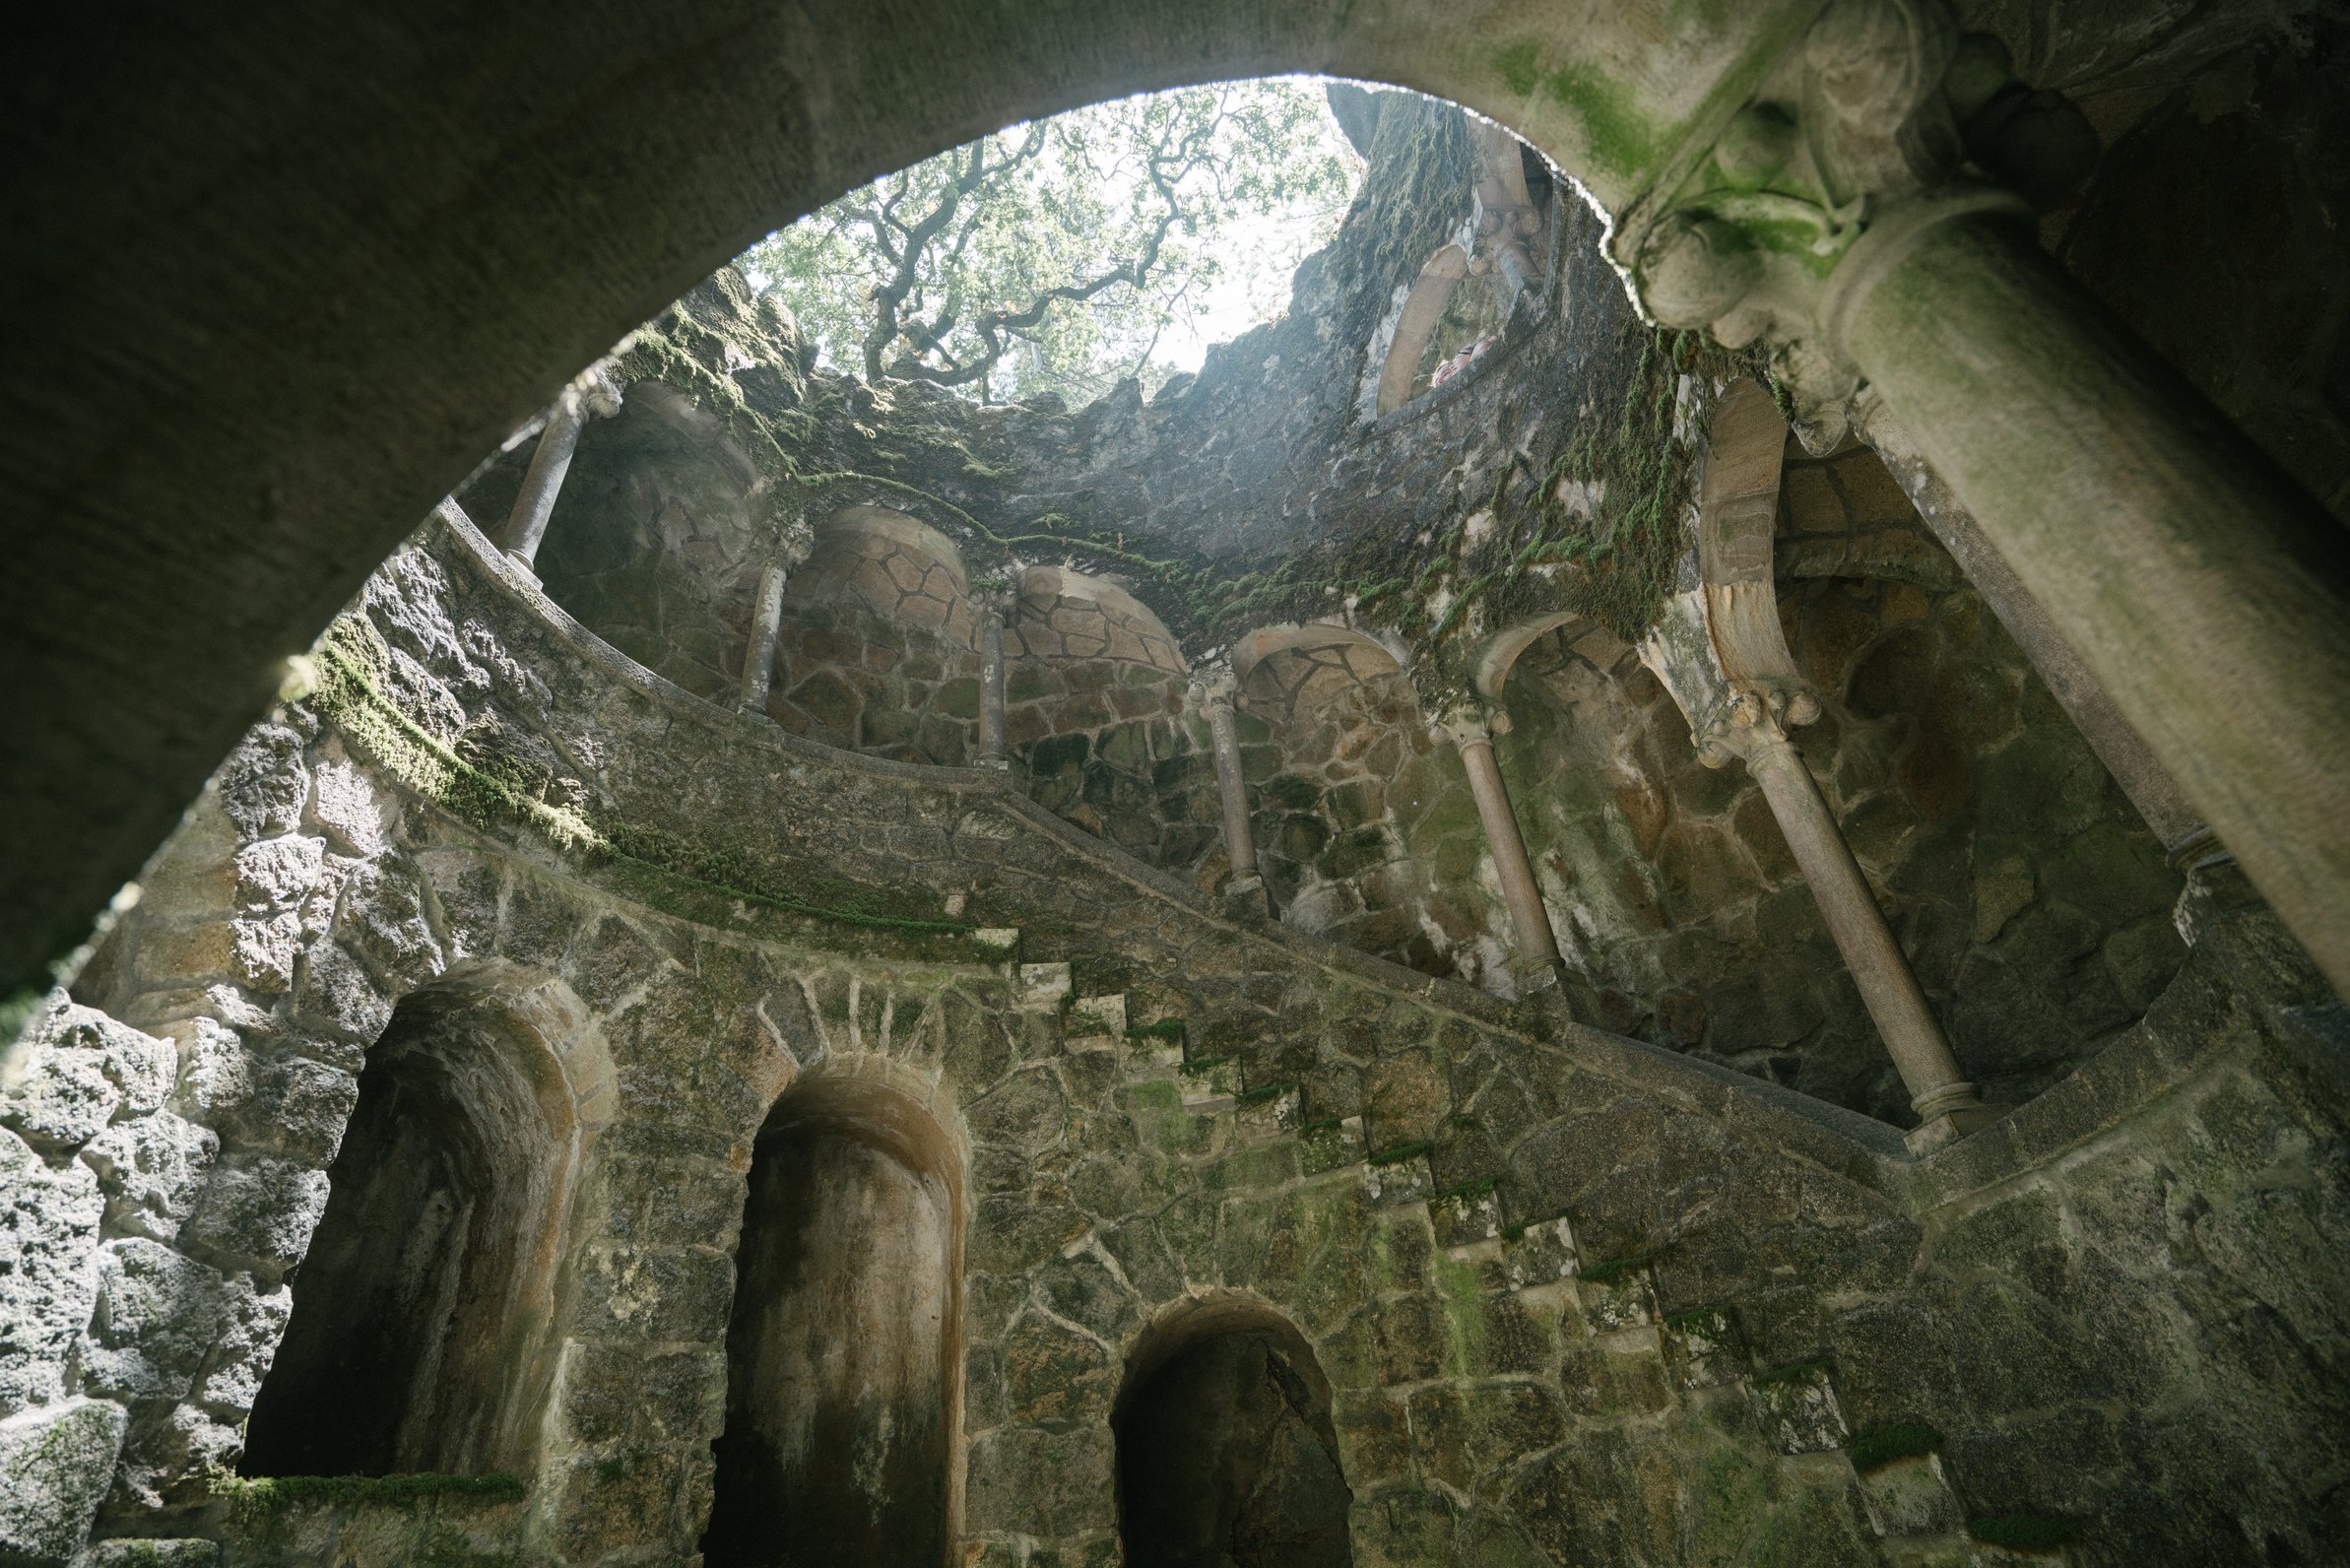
{"x": 1882, "y": 124}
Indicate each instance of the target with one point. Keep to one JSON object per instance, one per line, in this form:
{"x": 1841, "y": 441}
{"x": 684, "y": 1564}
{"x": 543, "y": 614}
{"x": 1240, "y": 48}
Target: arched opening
{"x": 844, "y": 1353}
{"x": 421, "y": 1333}
{"x": 1226, "y": 1453}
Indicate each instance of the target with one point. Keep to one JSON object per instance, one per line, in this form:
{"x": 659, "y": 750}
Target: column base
{"x": 1950, "y": 1126}
{"x": 1245, "y": 898}
{"x": 521, "y": 566}
{"x": 2216, "y": 888}
{"x": 994, "y": 765}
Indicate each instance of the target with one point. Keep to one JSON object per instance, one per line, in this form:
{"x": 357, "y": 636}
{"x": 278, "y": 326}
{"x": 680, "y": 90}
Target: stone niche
{"x": 1226, "y": 1453}
{"x": 844, "y": 1350}
{"x": 421, "y": 1337}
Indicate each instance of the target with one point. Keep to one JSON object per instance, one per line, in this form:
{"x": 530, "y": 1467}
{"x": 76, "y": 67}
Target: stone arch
{"x": 877, "y": 649}
{"x": 1555, "y": 641}
{"x": 844, "y": 1349}
{"x": 1738, "y": 519}
{"x": 1064, "y": 613}
{"x": 1224, "y": 1441}
{"x": 424, "y": 1330}
{"x": 1356, "y": 778}
{"x": 1424, "y": 307}
{"x": 1291, "y": 667}
{"x": 738, "y": 148}
{"x": 1094, "y": 690}
{"x": 888, "y": 565}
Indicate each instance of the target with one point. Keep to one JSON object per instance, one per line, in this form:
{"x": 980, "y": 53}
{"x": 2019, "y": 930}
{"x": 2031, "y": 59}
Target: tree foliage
{"x": 1058, "y": 255}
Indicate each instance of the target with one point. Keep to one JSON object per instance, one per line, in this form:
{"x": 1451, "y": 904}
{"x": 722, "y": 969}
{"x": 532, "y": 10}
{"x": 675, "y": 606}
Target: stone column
{"x": 2204, "y": 591}
{"x": 1747, "y": 719}
{"x": 1538, "y": 963}
{"x": 1213, "y": 697}
{"x": 991, "y": 686}
{"x": 759, "y": 658}
{"x": 2208, "y": 598}
{"x": 2159, "y": 804}
{"x": 1947, "y": 1105}
{"x": 594, "y": 393}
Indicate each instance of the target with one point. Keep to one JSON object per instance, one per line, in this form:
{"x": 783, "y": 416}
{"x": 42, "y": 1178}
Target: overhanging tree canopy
{"x": 1057, "y": 255}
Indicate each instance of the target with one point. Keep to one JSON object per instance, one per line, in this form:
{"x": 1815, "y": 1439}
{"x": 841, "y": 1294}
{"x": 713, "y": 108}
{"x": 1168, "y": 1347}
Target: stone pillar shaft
{"x": 1239, "y": 842}
{"x": 2205, "y": 593}
{"x": 759, "y": 659}
{"x": 526, "y": 524}
{"x": 1537, "y": 948}
{"x": 1888, "y": 987}
{"x": 991, "y": 688}
{"x": 2119, "y": 747}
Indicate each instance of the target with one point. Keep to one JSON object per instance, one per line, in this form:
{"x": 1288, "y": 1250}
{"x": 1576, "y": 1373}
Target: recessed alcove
{"x": 1227, "y": 1451}
{"x": 844, "y": 1350}
{"x": 421, "y": 1336}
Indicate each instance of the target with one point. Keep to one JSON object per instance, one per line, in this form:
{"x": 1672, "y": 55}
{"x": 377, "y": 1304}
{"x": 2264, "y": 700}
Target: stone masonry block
{"x": 1798, "y": 1408}
{"x": 1539, "y": 1254}
{"x": 1332, "y": 1143}
{"x": 56, "y": 1462}
{"x": 1704, "y": 1349}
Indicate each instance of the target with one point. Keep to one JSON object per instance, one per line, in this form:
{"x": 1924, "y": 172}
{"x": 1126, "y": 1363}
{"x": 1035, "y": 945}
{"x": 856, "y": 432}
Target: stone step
{"x": 1042, "y": 987}
{"x": 1213, "y": 1084}
{"x": 1097, "y": 1018}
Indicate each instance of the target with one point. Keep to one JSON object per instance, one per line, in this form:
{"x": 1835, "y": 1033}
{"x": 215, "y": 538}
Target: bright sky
{"x": 1258, "y": 255}
{"x": 1265, "y": 251}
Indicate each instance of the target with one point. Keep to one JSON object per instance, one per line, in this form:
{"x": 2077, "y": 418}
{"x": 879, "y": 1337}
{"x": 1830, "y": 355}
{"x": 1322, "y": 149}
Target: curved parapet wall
{"x": 893, "y": 566}
{"x": 1070, "y": 614}
{"x": 878, "y": 648}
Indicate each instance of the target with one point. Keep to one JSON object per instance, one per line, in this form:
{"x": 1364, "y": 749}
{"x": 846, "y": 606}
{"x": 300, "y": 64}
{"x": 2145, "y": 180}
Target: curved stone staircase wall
{"x": 1580, "y": 1300}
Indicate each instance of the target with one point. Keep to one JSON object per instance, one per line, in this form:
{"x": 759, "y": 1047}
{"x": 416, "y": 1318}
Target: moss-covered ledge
{"x": 428, "y": 1521}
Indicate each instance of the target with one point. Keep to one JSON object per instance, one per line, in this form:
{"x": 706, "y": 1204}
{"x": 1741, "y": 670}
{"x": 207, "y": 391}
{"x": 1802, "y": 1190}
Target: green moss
{"x": 1397, "y": 1154}
{"x": 1615, "y": 132}
{"x": 1164, "y": 1029}
{"x": 1469, "y": 1191}
{"x": 1873, "y": 1447}
{"x": 1613, "y": 1270}
{"x": 488, "y": 790}
{"x": 2027, "y": 1531}
{"x": 1698, "y": 1319}
{"x": 1260, "y": 1097}
{"x": 254, "y": 1501}
{"x": 1792, "y": 1372}
{"x": 1518, "y": 67}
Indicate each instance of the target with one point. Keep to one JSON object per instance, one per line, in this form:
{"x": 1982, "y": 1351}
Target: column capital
{"x": 596, "y": 392}
{"x": 1214, "y": 689}
{"x": 1469, "y": 725}
{"x": 1882, "y": 123}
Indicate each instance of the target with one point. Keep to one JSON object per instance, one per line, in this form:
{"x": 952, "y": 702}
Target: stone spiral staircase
{"x": 1895, "y": 1473}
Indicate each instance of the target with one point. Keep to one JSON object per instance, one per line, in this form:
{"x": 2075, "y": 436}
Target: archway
{"x": 1225, "y": 1448}
{"x": 423, "y": 1334}
{"x": 844, "y": 1353}
{"x": 480, "y": 243}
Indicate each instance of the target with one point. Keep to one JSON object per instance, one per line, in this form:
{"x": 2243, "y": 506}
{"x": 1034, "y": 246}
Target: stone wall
{"x": 1576, "y": 1299}
{"x": 1265, "y": 490}
{"x": 2033, "y": 903}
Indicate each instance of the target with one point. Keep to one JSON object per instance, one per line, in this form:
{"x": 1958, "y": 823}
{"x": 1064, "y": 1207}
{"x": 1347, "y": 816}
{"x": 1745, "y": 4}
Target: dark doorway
{"x": 419, "y": 1338}
{"x": 843, "y": 1353}
{"x": 1226, "y": 1456}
